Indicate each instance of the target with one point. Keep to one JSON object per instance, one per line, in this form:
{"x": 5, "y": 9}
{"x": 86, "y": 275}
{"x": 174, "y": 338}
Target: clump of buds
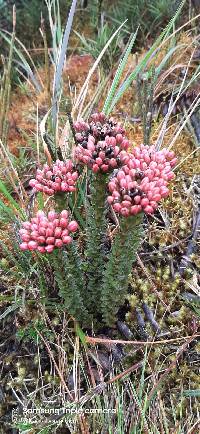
{"x": 142, "y": 182}
{"x": 61, "y": 176}
{"x": 46, "y": 232}
{"x": 101, "y": 143}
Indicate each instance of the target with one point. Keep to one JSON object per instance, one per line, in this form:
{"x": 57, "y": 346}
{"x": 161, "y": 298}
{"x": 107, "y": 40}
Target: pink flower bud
{"x": 67, "y": 239}
{"x": 117, "y": 207}
{"x": 26, "y": 225}
{"x": 41, "y": 239}
{"x": 63, "y": 222}
{"x": 64, "y": 214}
{"x": 125, "y": 204}
{"x": 144, "y": 202}
{"x": 110, "y": 199}
{"x": 119, "y": 138}
{"x": 134, "y": 210}
{"x": 25, "y": 237}
{"x": 52, "y": 215}
{"x": 41, "y": 249}
{"x": 32, "y": 182}
{"x": 58, "y": 243}
{"x": 164, "y": 191}
{"x": 72, "y": 226}
{"x": 50, "y": 240}
{"x": 148, "y": 209}
{"x": 95, "y": 168}
{"x": 42, "y": 231}
{"x": 32, "y": 245}
{"x": 49, "y": 232}
{"x": 57, "y": 232}
{"x": 23, "y": 246}
{"x": 49, "y": 248}
{"x": 137, "y": 200}
{"x": 99, "y": 161}
{"x": 34, "y": 235}
{"x": 40, "y": 214}
{"x": 65, "y": 232}
{"x": 124, "y": 212}
{"x": 104, "y": 167}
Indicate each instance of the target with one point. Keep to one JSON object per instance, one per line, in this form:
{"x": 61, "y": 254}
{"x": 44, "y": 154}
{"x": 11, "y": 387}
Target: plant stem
{"x": 70, "y": 280}
{"x": 96, "y": 227}
{"x": 118, "y": 268}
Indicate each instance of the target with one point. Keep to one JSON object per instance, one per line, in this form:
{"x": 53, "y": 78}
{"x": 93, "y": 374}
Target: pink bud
{"x": 134, "y": 210}
{"x": 32, "y": 245}
{"x": 104, "y": 167}
{"x": 58, "y": 243}
{"x": 67, "y": 239}
{"x": 164, "y": 191}
{"x": 49, "y": 232}
{"x": 170, "y": 176}
{"x": 41, "y": 239}
{"x": 64, "y": 214}
{"x": 34, "y": 235}
{"x": 26, "y": 225}
{"x": 148, "y": 209}
{"x": 125, "y": 144}
{"x": 119, "y": 138}
{"x": 113, "y": 163}
{"x": 23, "y": 232}
{"x": 72, "y": 226}
{"x": 102, "y": 155}
{"x": 49, "y": 249}
{"x": 65, "y": 233}
{"x": 110, "y": 199}
{"x": 124, "y": 212}
{"x": 23, "y": 246}
{"x": 144, "y": 202}
{"x": 117, "y": 207}
{"x": 43, "y": 223}
{"x": 99, "y": 161}
{"x": 123, "y": 183}
{"x": 42, "y": 231}
{"x": 95, "y": 168}
{"x": 63, "y": 222}
{"x": 120, "y": 175}
{"x": 40, "y": 214}
{"x": 50, "y": 240}
{"x": 111, "y": 186}
{"x": 52, "y": 215}
{"x": 57, "y": 232}
{"x": 25, "y": 237}
{"x": 137, "y": 199}
{"x": 156, "y": 197}
{"x": 173, "y": 162}
{"x": 32, "y": 182}
{"x": 126, "y": 204}
{"x": 39, "y": 187}
{"x": 41, "y": 249}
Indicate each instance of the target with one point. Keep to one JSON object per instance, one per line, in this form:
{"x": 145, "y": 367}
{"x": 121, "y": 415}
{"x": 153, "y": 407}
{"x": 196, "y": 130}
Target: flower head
{"x": 101, "y": 143}
{"x": 142, "y": 182}
{"x": 46, "y": 232}
{"x": 61, "y": 176}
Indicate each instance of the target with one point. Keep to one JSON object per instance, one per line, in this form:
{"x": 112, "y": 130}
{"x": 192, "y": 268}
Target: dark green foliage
{"x": 115, "y": 281}
{"x": 69, "y": 278}
{"x": 96, "y": 226}
{"x": 29, "y": 18}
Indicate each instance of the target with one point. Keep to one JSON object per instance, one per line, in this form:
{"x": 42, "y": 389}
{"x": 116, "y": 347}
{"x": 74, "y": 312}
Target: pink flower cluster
{"x": 142, "y": 182}
{"x": 61, "y": 176}
{"x": 46, "y": 232}
{"x": 101, "y": 143}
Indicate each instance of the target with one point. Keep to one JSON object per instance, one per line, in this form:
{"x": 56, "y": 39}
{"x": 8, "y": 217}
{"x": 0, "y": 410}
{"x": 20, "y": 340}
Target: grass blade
{"x": 118, "y": 74}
